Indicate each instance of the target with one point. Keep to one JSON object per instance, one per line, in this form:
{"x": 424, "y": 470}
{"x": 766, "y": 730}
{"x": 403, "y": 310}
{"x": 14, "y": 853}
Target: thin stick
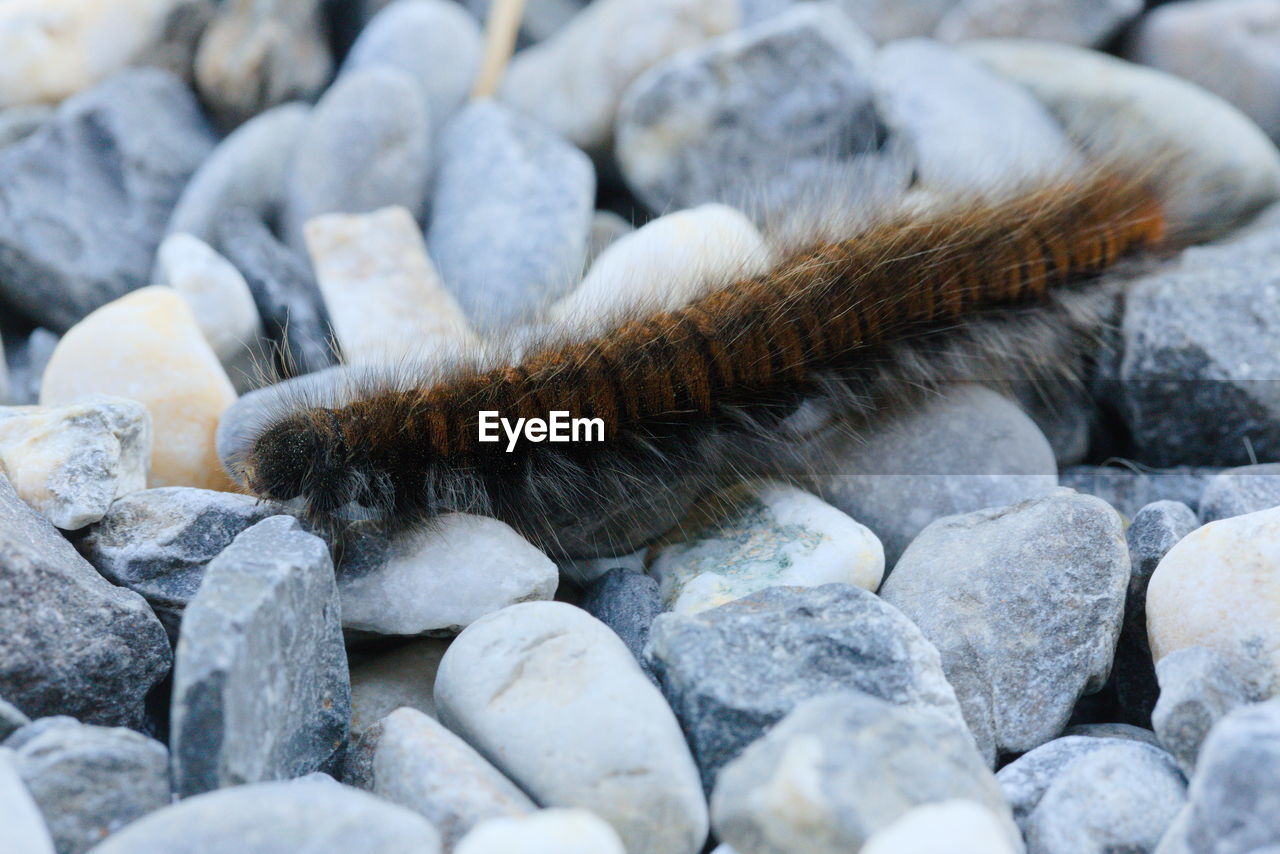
{"x": 500, "y": 42}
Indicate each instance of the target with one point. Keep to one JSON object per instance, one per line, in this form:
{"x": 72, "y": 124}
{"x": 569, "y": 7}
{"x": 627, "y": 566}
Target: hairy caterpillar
{"x": 721, "y": 385}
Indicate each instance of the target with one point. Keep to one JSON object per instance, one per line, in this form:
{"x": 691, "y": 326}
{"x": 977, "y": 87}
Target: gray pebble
{"x": 732, "y": 672}
{"x": 1198, "y": 687}
{"x": 384, "y": 681}
{"x": 261, "y": 689}
{"x": 1130, "y": 489}
{"x": 87, "y": 196}
{"x": 1242, "y": 490}
{"x": 1083, "y": 23}
{"x": 24, "y": 829}
{"x": 89, "y": 781}
{"x": 1124, "y": 731}
{"x": 1056, "y": 567}
{"x": 73, "y": 643}
{"x": 18, "y": 123}
{"x": 627, "y": 602}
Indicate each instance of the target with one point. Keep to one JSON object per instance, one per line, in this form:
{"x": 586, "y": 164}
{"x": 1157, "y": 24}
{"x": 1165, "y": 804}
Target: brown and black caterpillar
{"x": 724, "y": 384}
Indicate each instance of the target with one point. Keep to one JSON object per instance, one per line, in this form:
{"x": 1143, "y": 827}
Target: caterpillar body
{"x": 726, "y": 383}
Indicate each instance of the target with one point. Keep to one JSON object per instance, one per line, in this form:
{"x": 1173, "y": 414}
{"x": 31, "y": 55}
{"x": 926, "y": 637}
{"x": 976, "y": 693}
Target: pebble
{"x": 510, "y": 214}
{"x": 147, "y": 346}
{"x": 1130, "y": 489}
{"x": 284, "y": 289}
{"x": 1234, "y": 797}
{"x": 434, "y": 41}
{"x": 24, "y": 827}
{"x": 220, "y": 300}
{"x": 554, "y": 831}
{"x": 249, "y": 169}
{"x": 750, "y": 115}
{"x": 1124, "y": 731}
{"x": 575, "y": 79}
{"x": 959, "y": 826}
{"x": 1239, "y": 491}
{"x": 73, "y": 643}
{"x": 1198, "y": 687}
{"x": 807, "y": 784}
{"x": 261, "y": 688}
{"x": 1057, "y": 568}
{"x": 256, "y": 54}
{"x": 890, "y": 20}
{"x": 70, "y": 462}
{"x": 409, "y": 759}
{"x": 442, "y": 578}
{"x": 1221, "y": 166}
{"x": 964, "y": 450}
{"x": 367, "y": 146}
{"x": 627, "y": 602}
{"x": 383, "y": 294}
{"x": 1079, "y": 795}
{"x": 87, "y": 196}
{"x": 27, "y": 362}
{"x": 1220, "y": 587}
{"x": 157, "y": 542}
{"x": 1154, "y": 530}
{"x": 553, "y": 698}
{"x": 1087, "y": 24}
{"x": 1226, "y": 46}
{"x": 387, "y": 681}
{"x": 18, "y": 123}
{"x": 89, "y": 781}
{"x": 312, "y": 814}
{"x": 11, "y": 718}
{"x": 732, "y": 672}
{"x": 761, "y": 535}
{"x": 969, "y": 130}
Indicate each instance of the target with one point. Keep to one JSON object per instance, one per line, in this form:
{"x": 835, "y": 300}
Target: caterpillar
{"x": 729, "y": 383}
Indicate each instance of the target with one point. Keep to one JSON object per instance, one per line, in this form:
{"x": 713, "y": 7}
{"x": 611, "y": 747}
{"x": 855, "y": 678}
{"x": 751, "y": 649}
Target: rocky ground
{"x": 996, "y": 625}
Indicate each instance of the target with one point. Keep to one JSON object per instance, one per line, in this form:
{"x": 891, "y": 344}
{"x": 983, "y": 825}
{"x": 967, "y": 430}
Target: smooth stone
{"x": 261, "y": 689}
{"x": 434, "y": 41}
{"x": 89, "y": 781}
{"x": 220, "y": 300}
{"x": 1240, "y": 491}
{"x": 18, "y": 123}
{"x": 1220, "y": 587}
{"x": 841, "y": 766}
{"x": 627, "y": 602}
{"x": 734, "y": 671}
{"x": 157, "y": 542}
{"x": 284, "y": 289}
{"x": 970, "y": 130}
{"x": 575, "y": 79}
{"x": 278, "y": 818}
{"x": 553, "y": 831}
{"x": 960, "y": 826}
{"x": 89, "y": 193}
{"x": 1198, "y": 688}
{"x": 73, "y": 643}
{"x": 1234, "y": 795}
{"x": 384, "y": 296}
{"x": 1217, "y": 167}
{"x": 607, "y": 228}
{"x": 24, "y": 827}
{"x": 409, "y": 759}
{"x": 387, "y": 681}
{"x": 1123, "y": 731}
{"x": 367, "y": 146}
{"x": 249, "y": 169}
{"x": 1130, "y": 489}
{"x": 148, "y": 347}
{"x": 1154, "y": 530}
{"x": 761, "y": 535}
{"x": 554, "y": 699}
{"x": 891, "y": 20}
{"x": 1087, "y": 24}
{"x": 1065, "y": 412}
{"x": 256, "y": 54}
{"x": 27, "y": 364}
{"x": 1226, "y": 46}
{"x": 11, "y": 718}
{"x": 70, "y": 462}
{"x": 750, "y": 115}
{"x": 1057, "y": 568}
{"x": 510, "y": 213}
{"x": 966, "y": 449}
{"x": 440, "y": 579}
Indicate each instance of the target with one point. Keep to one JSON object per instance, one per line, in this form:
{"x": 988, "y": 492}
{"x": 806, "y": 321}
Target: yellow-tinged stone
{"x": 147, "y": 346}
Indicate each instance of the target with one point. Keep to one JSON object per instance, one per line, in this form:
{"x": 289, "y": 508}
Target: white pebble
{"x": 554, "y": 831}
{"x": 956, "y": 827}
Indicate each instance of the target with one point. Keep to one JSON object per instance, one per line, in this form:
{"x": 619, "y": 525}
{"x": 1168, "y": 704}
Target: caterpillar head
{"x": 305, "y": 455}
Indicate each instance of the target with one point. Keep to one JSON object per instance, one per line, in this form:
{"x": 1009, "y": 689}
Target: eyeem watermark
{"x": 556, "y": 427}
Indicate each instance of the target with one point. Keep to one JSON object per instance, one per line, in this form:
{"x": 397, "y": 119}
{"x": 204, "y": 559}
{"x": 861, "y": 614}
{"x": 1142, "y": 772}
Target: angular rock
{"x": 510, "y": 213}
{"x": 89, "y": 781}
{"x": 24, "y": 827}
{"x": 69, "y": 463}
{"x": 627, "y": 602}
{"x": 553, "y": 831}
{"x": 1025, "y": 604}
{"x": 148, "y": 347}
{"x": 807, "y": 784}
{"x": 88, "y": 194}
{"x": 409, "y": 759}
{"x": 278, "y": 818}
{"x": 73, "y": 643}
{"x": 554, "y": 699}
{"x": 261, "y": 689}
{"x": 734, "y": 671}
{"x": 956, "y": 826}
{"x": 1198, "y": 688}
{"x": 1086, "y": 24}
{"x": 1129, "y": 491}
{"x": 1239, "y": 491}
{"x": 387, "y": 681}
